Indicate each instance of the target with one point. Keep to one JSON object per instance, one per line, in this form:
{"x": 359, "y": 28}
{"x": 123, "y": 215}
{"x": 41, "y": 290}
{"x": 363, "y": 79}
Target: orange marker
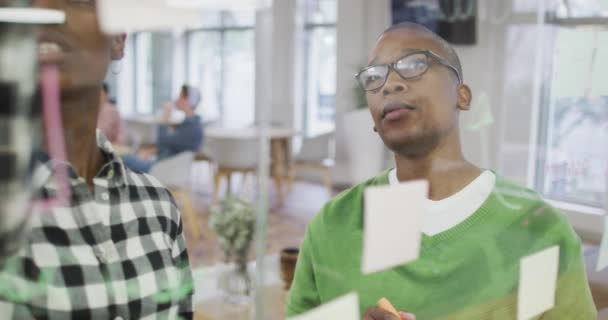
{"x": 386, "y": 305}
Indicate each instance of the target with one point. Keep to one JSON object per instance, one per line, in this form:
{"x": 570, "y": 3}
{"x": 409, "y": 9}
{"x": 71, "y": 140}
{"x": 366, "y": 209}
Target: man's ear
{"x": 464, "y": 97}
{"x": 118, "y": 46}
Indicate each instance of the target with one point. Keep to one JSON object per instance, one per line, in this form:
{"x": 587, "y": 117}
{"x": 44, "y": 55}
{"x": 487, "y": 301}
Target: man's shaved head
{"x": 447, "y": 51}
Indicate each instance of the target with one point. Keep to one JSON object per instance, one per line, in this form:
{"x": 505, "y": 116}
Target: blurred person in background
{"x": 180, "y": 130}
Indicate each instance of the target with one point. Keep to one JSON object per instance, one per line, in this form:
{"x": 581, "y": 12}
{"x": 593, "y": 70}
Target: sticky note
{"x": 343, "y": 308}
{"x": 537, "y": 283}
{"x": 31, "y": 15}
{"x": 116, "y": 16}
{"x": 602, "y": 260}
{"x": 392, "y": 225}
{"x": 220, "y": 4}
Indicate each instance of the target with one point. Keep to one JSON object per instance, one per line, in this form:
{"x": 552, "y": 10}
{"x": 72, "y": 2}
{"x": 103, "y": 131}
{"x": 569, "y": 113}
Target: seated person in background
{"x": 173, "y": 138}
{"x": 477, "y": 225}
{"x": 109, "y": 121}
{"x": 116, "y": 248}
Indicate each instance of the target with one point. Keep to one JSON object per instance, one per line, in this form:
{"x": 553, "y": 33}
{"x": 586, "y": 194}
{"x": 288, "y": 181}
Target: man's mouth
{"x": 49, "y": 48}
{"x": 394, "y": 111}
{"x": 53, "y": 46}
{"x": 49, "y": 52}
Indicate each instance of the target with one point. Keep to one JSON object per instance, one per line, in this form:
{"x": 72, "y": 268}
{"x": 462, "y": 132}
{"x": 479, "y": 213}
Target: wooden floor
{"x": 286, "y": 223}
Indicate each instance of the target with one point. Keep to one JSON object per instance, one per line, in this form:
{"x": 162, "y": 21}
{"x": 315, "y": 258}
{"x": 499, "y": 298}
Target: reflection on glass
{"x": 577, "y": 124}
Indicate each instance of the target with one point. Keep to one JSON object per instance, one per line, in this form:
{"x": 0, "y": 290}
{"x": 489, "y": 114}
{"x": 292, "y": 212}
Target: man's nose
{"x": 394, "y": 83}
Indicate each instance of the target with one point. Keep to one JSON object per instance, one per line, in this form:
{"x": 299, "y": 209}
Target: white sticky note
{"x": 343, "y": 308}
{"x": 32, "y": 15}
{"x": 221, "y": 4}
{"x": 392, "y": 225}
{"x": 537, "y": 283}
{"x": 602, "y": 260}
{"x": 116, "y": 16}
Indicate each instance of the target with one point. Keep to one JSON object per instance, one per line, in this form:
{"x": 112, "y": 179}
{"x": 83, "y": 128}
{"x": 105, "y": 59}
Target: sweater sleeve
{"x": 303, "y": 294}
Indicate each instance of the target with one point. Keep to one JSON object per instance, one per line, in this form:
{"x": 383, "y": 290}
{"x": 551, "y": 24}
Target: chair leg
{"x": 229, "y": 181}
{"x": 291, "y": 176}
{"x": 243, "y": 186}
{"x": 327, "y": 180}
{"x": 217, "y": 179}
{"x": 189, "y": 213}
{"x": 278, "y": 182}
{"x": 212, "y": 169}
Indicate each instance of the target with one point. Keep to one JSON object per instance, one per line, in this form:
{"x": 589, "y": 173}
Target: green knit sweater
{"x": 470, "y": 271}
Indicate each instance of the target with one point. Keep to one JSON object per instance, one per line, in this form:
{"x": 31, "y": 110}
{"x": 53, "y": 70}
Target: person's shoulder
{"x": 513, "y": 190}
{"x": 516, "y": 199}
{"x": 346, "y": 208}
{"x": 534, "y": 219}
{"x": 143, "y": 187}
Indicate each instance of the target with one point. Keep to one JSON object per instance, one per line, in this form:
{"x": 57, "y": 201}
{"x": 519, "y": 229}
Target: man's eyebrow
{"x": 401, "y": 54}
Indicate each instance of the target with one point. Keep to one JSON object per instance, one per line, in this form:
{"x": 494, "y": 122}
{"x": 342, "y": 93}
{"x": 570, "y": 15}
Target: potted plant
{"x": 234, "y": 222}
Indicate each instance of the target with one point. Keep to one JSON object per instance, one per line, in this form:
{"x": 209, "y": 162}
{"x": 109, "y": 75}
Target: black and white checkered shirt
{"x": 117, "y": 252}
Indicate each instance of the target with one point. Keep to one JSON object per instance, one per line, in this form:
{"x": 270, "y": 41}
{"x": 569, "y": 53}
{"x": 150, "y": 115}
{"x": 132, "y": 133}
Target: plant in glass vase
{"x": 234, "y": 222}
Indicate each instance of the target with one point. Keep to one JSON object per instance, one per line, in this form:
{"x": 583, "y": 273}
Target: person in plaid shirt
{"x": 117, "y": 250}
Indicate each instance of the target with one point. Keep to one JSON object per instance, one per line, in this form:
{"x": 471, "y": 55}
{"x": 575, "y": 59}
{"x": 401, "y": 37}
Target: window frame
{"x": 587, "y": 221}
{"x": 223, "y": 29}
{"x": 542, "y": 138}
{"x": 309, "y": 28}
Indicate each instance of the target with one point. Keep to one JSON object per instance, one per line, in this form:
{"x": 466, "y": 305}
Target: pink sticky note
{"x": 49, "y": 82}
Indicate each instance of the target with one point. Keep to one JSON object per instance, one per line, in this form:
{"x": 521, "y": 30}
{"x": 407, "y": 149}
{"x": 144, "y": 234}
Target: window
{"x": 143, "y": 67}
{"x": 574, "y": 165}
{"x": 320, "y": 66}
{"x": 205, "y": 71}
{"x": 221, "y": 62}
{"x": 153, "y": 71}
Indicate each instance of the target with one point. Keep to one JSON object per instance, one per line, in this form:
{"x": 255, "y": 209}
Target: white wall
{"x": 276, "y": 62}
{"x": 359, "y": 24}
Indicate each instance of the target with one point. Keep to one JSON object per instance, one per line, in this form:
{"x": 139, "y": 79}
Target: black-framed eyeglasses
{"x": 410, "y": 66}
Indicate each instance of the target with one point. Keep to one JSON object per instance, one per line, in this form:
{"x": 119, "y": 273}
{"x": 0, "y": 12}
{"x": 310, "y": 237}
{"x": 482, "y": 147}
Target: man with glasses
{"x": 477, "y": 225}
